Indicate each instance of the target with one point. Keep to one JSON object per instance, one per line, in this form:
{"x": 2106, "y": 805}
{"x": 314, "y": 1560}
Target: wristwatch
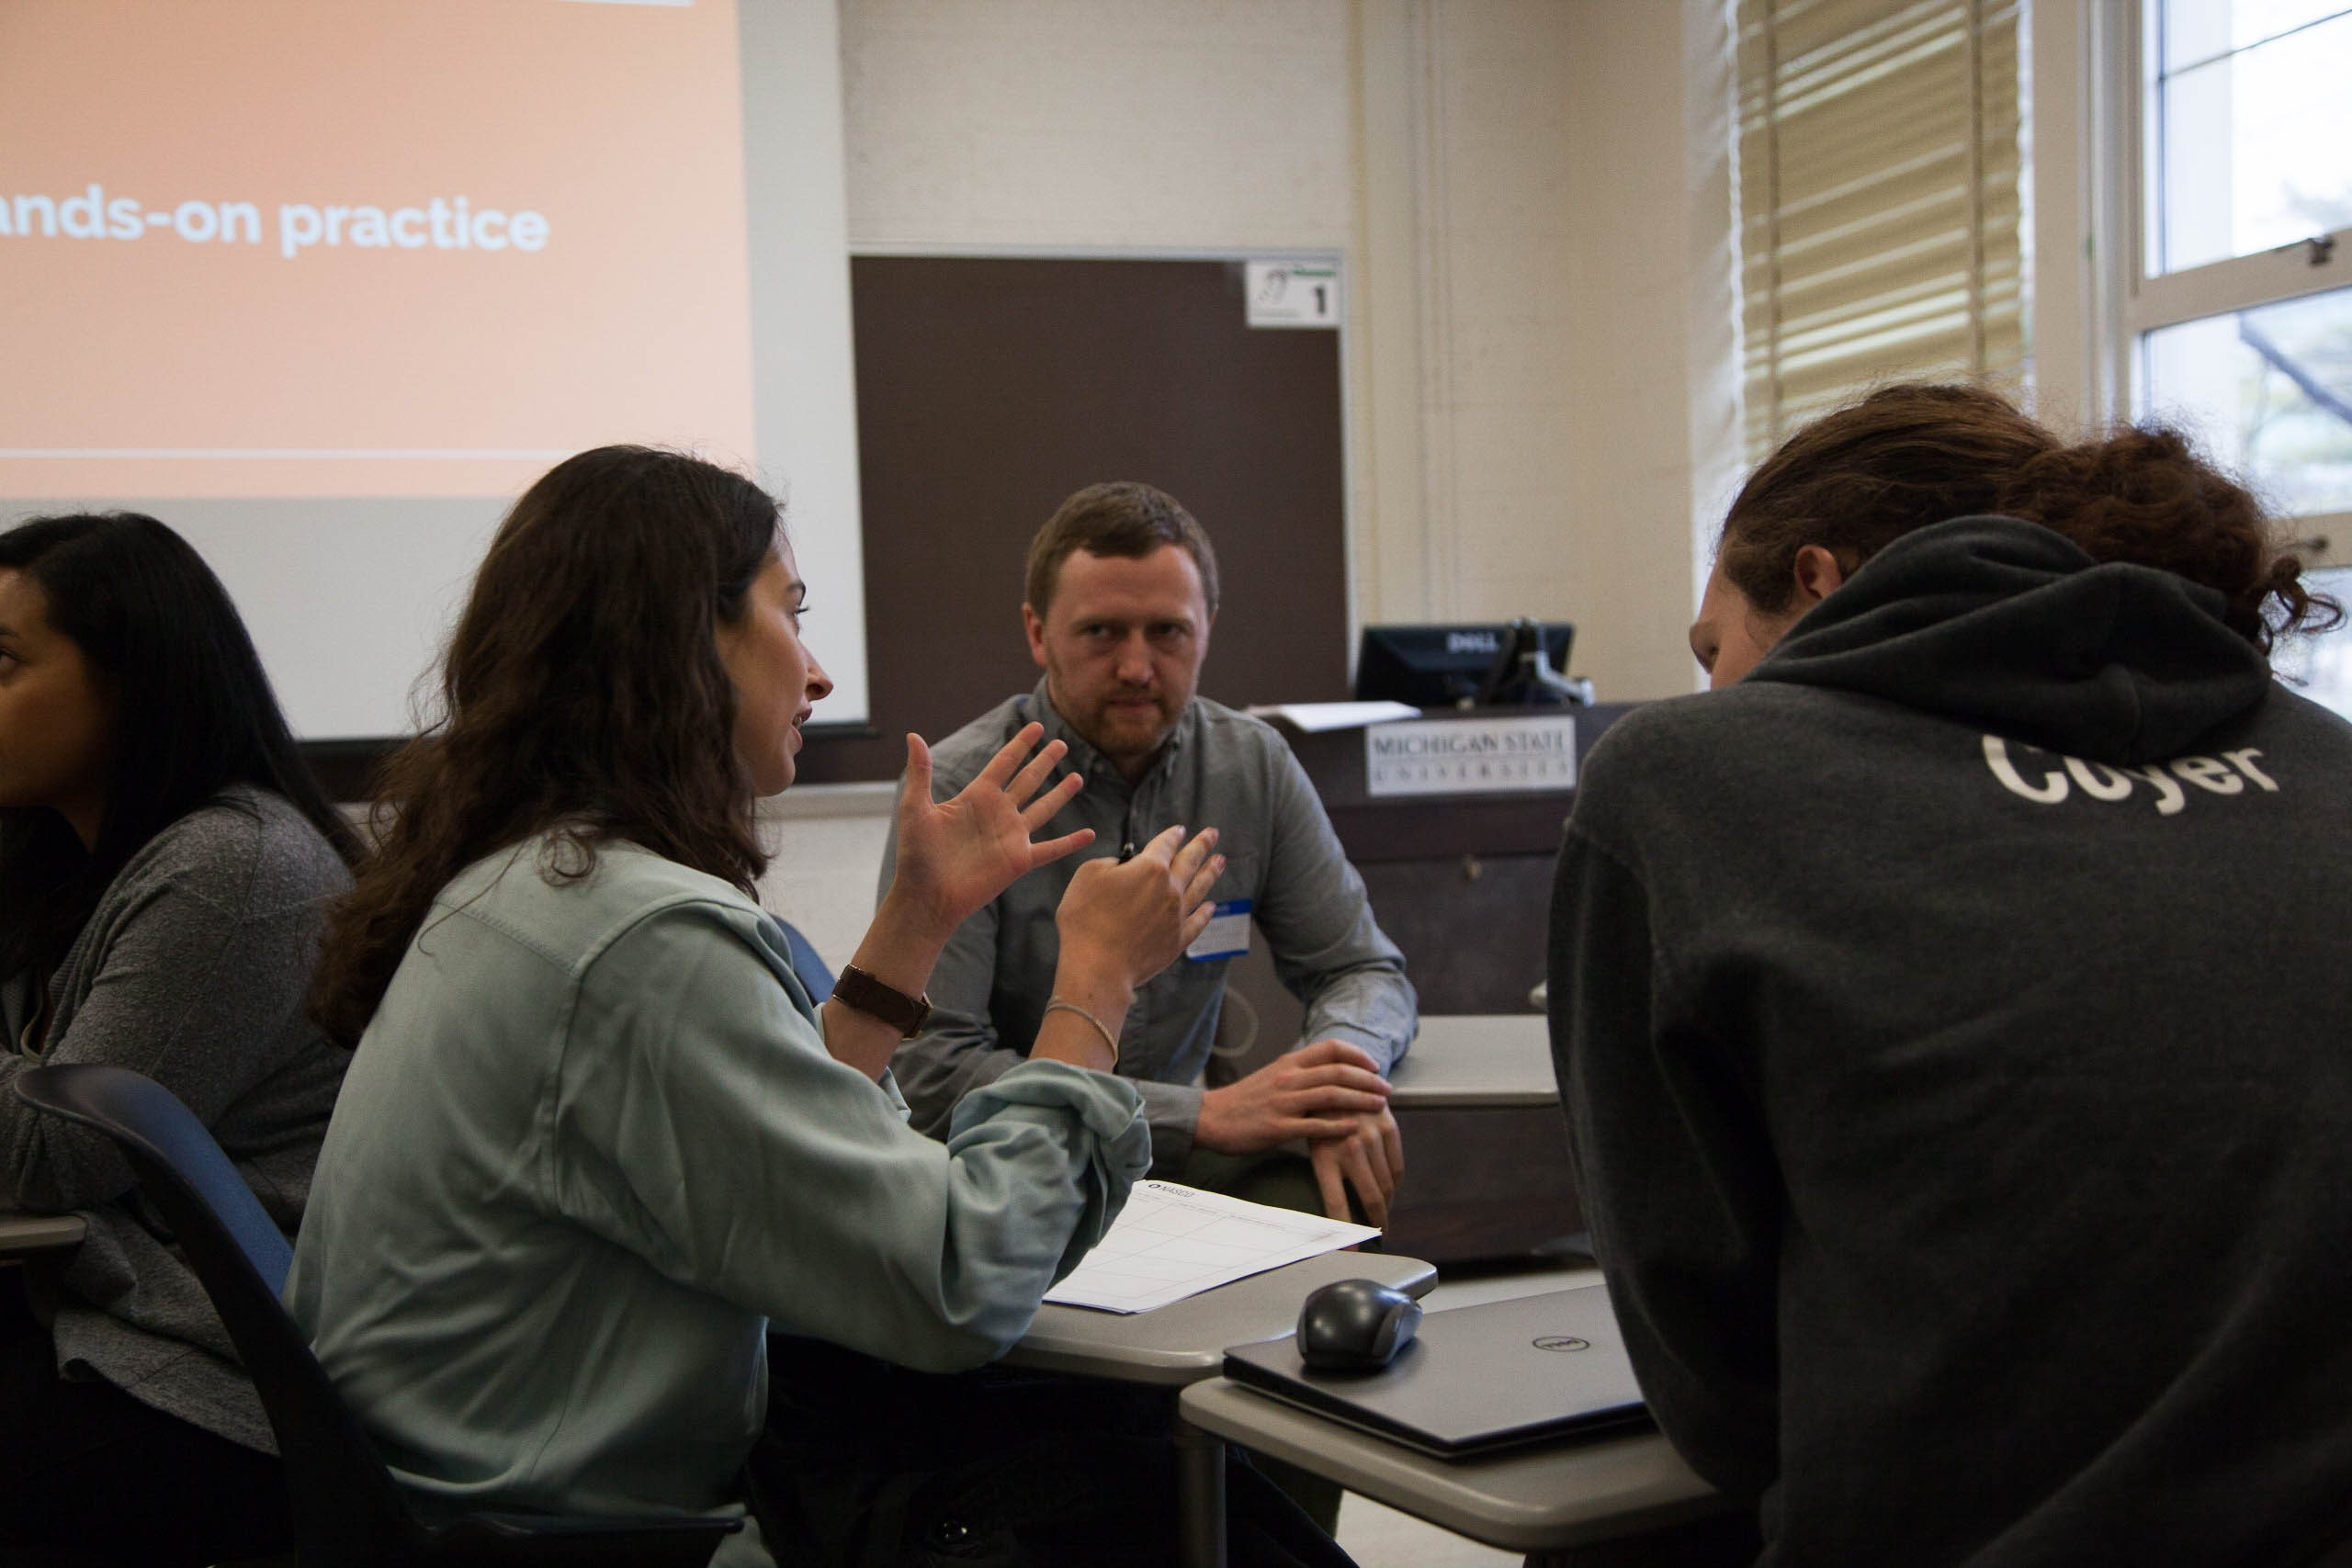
{"x": 891, "y": 1005}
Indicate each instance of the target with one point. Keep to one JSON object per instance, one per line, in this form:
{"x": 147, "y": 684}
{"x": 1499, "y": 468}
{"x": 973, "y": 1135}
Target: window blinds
{"x": 1879, "y": 165}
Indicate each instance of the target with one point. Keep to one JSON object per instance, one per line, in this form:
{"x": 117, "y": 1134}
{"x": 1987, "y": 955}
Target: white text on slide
{"x": 441, "y": 224}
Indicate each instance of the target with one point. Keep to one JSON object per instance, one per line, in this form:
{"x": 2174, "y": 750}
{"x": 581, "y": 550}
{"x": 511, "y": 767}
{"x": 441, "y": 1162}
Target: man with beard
{"x": 1122, "y": 591}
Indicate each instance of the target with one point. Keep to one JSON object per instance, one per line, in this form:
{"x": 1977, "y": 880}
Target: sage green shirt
{"x": 591, "y": 1147}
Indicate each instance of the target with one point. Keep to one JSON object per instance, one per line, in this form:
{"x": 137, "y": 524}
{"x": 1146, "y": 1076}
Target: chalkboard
{"x": 988, "y": 388}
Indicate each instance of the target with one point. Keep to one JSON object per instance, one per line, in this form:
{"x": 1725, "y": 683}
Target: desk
{"x": 1524, "y": 1500}
{"x": 1185, "y": 1342}
{"x": 1481, "y": 1060}
{"x": 21, "y": 1232}
{"x": 1486, "y": 1167}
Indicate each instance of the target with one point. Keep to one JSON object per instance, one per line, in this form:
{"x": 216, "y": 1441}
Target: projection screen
{"x": 325, "y": 286}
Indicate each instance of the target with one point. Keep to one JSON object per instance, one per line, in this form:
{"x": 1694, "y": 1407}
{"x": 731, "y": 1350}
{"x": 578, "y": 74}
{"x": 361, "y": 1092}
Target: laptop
{"x": 1477, "y": 1378}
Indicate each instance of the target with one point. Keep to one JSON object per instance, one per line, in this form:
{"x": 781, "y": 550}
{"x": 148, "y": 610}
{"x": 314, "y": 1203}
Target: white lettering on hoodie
{"x": 2227, "y": 775}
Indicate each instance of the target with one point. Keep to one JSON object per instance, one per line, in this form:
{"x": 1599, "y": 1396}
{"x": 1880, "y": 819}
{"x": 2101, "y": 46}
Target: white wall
{"x": 1149, "y": 123}
{"x": 827, "y": 843}
{"x": 1557, "y": 238}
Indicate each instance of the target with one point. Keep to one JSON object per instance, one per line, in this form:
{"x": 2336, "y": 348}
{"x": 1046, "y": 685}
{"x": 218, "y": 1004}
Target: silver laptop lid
{"x": 1478, "y": 1378}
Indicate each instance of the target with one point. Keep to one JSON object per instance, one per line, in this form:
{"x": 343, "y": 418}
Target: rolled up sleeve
{"x": 701, "y": 1123}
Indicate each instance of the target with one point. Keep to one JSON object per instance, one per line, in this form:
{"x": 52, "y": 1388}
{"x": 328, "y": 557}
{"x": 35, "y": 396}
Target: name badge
{"x": 1226, "y": 936}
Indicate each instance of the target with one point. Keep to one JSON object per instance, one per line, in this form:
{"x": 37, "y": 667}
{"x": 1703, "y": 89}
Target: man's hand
{"x": 1316, "y": 1092}
{"x": 1369, "y": 1158}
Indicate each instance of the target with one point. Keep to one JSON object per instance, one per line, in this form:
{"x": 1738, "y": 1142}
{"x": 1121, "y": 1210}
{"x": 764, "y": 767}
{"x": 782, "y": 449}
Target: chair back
{"x": 347, "y": 1512}
{"x": 815, "y": 977}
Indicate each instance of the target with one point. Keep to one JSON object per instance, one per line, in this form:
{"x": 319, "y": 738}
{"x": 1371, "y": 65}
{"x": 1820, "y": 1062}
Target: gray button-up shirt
{"x": 1219, "y": 768}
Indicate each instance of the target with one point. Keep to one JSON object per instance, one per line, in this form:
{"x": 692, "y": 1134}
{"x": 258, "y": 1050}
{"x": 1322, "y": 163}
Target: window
{"x": 2235, "y": 301}
{"x": 2320, "y": 665}
{"x": 1878, "y": 174}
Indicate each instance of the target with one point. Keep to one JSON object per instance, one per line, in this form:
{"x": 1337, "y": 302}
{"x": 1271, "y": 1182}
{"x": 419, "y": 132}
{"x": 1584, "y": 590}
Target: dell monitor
{"x": 1500, "y": 663}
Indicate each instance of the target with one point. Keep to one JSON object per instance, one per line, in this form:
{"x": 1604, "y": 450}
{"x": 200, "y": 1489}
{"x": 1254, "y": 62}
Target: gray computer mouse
{"x": 1355, "y": 1326}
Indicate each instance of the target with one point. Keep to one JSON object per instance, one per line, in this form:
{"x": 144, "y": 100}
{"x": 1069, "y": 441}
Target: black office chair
{"x": 347, "y": 1511}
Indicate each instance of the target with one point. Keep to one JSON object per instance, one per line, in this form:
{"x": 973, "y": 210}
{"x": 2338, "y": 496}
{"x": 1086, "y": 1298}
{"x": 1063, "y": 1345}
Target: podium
{"x": 1462, "y": 882}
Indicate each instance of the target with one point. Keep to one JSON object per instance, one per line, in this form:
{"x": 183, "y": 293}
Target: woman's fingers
{"x": 1187, "y": 861}
{"x": 1163, "y": 845}
{"x": 1032, "y": 778}
{"x": 1040, "y": 811}
{"x": 918, "y": 768}
{"x": 1007, "y": 757}
{"x": 1392, "y": 1143}
{"x": 1047, "y": 850}
{"x": 1202, "y": 880}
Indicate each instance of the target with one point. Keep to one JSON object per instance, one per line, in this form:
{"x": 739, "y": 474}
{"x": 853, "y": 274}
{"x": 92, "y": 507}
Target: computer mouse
{"x": 1355, "y": 1326}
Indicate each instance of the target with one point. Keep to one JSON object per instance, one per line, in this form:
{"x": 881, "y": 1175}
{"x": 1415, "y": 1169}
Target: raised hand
{"x": 1119, "y": 924}
{"x": 955, "y": 855}
{"x": 1130, "y": 919}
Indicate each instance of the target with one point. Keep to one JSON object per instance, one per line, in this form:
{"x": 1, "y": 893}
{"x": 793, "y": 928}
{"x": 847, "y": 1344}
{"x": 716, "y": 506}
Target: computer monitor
{"x": 1453, "y": 666}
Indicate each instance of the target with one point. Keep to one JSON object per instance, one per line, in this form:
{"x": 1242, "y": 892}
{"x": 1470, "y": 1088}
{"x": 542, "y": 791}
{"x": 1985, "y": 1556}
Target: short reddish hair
{"x": 1121, "y": 518}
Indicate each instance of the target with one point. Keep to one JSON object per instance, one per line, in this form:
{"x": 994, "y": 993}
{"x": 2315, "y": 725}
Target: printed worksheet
{"x": 1170, "y": 1242}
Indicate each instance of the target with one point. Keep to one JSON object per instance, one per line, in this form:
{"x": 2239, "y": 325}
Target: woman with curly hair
{"x": 1954, "y": 1007}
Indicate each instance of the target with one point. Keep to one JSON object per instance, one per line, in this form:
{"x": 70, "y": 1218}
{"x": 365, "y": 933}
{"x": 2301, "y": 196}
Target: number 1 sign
{"x": 1294, "y": 293}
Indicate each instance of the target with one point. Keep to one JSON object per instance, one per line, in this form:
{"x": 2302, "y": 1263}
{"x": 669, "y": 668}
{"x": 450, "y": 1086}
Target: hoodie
{"x": 1955, "y": 1022}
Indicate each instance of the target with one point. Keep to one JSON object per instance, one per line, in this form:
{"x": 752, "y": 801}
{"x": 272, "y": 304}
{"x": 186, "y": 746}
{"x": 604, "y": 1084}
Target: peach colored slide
{"x": 364, "y": 248}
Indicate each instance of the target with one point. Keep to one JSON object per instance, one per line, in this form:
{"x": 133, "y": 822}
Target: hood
{"x": 2009, "y": 626}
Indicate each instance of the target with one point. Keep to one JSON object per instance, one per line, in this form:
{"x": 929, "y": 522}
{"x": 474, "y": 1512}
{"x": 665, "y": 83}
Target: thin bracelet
{"x": 1109, "y": 1039}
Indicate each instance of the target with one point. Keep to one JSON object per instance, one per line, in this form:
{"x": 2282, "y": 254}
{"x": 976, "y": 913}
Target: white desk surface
{"x": 1477, "y": 1059}
{"x": 1523, "y": 1500}
{"x": 1185, "y": 1341}
{"x": 21, "y": 1232}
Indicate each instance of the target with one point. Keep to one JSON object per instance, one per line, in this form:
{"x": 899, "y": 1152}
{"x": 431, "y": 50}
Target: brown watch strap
{"x": 891, "y": 1005}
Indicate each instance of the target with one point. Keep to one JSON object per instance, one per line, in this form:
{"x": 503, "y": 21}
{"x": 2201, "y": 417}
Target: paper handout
{"x": 1170, "y": 1242}
{"x": 1313, "y": 718}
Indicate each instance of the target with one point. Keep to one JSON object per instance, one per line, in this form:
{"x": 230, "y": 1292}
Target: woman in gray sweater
{"x": 164, "y": 860}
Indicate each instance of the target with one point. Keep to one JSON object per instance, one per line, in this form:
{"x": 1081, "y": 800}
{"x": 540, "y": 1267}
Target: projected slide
{"x": 364, "y": 248}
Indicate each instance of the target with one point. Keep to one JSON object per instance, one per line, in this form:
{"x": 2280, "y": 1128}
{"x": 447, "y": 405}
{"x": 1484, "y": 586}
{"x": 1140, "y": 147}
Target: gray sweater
{"x": 192, "y": 970}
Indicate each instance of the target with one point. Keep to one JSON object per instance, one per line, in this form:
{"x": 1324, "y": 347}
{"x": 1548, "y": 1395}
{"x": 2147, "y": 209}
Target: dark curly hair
{"x": 583, "y": 693}
{"x": 1905, "y": 457}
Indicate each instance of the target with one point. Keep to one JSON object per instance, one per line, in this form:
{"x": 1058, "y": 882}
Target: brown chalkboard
{"x": 988, "y": 388}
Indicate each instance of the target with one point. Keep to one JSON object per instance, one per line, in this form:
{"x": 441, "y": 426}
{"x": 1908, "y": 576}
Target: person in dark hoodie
{"x": 1954, "y": 1009}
